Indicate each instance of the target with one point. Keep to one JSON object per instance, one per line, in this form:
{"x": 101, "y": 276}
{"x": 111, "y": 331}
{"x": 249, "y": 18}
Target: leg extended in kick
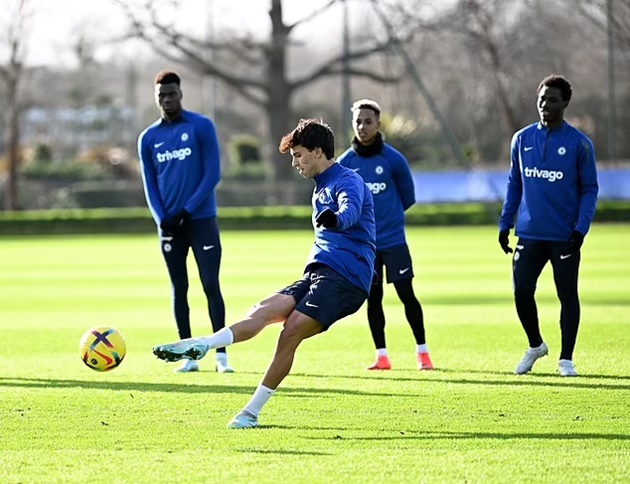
{"x": 274, "y": 309}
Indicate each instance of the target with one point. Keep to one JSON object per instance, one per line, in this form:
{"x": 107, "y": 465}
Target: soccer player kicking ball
{"x": 387, "y": 174}
{"x": 553, "y": 186}
{"x": 336, "y": 279}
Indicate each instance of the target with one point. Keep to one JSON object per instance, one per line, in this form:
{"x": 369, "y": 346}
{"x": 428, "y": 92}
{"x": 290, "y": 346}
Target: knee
{"x": 291, "y": 334}
{"x": 374, "y": 303}
{"x": 405, "y": 291}
{"x": 376, "y": 295}
{"x": 290, "y": 330}
{"x": 522, "y": 291}
{"x": 180, "y": 288}
{"x": 567, "y": 295}
{"x": 211, "y": 287}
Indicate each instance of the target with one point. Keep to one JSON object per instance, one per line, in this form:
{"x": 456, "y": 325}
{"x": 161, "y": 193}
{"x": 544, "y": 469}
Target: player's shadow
{"x": 583, "y": 376}
{"x": 53, "y": 383}
{"x": 525, "y": 380}
{"x": 446, "y": 435}
{"x": 281, "y": 451}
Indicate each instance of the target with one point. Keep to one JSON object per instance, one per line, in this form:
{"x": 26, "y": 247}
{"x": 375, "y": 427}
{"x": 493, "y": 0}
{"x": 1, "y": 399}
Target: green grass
{"x": 330, "y": 421}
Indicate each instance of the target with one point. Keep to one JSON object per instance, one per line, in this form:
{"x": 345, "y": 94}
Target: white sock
{"x": 220, "y": 339}
{"x": 422, "y": 348}
{"x": 381, "y": 352}
{"x": 222, "y": 358}
{"x": 259, "y": 399}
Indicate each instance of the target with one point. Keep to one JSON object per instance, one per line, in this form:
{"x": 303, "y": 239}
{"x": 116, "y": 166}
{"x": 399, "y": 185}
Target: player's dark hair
{"x": 167, "y": 77}
{"x": 311, "y": 133}
{"x": 559, "y": 82}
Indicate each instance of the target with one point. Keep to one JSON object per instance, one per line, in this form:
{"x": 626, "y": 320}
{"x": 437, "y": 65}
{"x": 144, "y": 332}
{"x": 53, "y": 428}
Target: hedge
{"x": 138, "y": 220}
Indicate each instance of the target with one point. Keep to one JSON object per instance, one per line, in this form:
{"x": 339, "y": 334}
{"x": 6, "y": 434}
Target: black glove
{"x": 575, "y": 242}
{"x": 504, "y": 240}
{"x": 327, "y": 219}
{"x": 175, "y": 224}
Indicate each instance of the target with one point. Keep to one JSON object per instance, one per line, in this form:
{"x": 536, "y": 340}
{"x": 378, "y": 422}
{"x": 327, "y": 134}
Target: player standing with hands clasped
{"x": 336, "y": 279}
{"x": 386, "y": 173}
{"x": 553, "y": 186}
{"x": 181, "y": 166}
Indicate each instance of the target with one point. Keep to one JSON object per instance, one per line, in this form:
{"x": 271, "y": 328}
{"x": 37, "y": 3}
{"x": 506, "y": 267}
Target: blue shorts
{"x": 325, "y": 295}
{"x": 397, "y": 260}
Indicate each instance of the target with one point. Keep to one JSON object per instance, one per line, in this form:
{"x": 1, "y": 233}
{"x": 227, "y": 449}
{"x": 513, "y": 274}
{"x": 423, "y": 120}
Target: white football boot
{"x": 566, "y": 368}
{"x": 531, "y": 355}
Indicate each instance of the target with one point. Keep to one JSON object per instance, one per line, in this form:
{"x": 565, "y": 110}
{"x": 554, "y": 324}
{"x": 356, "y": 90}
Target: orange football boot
{"x": 382, "y": 363}
{"x": 424, "y": 361}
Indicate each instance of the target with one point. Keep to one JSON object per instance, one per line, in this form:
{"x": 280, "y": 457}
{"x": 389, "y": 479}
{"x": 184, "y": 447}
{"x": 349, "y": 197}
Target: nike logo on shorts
{"x": 208, "y": 247}
{"x": 310, "y": 304}
{"x": 402, "y": 271}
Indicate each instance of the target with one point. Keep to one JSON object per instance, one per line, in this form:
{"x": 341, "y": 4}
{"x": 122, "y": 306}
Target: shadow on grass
{"x": 554, "y": 375}
{"x": 421, "y": 435}
{"x": 282, "y": 452}
{"x": 481, "y": 300}
{"x": 52, "y": 383}
{"x": 524, "y": 380}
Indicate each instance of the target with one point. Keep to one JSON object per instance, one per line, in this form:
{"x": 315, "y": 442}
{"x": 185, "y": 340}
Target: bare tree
{"x": 256, "y": 70}
{"x": 485, "y": 27}
{"x": 500, "y": 49}
{"x": 596, "y": 11}
{"x": 16, "y": 35}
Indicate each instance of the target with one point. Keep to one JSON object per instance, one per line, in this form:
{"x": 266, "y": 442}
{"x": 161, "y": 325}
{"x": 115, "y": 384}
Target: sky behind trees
{"x": 55, "y": 26}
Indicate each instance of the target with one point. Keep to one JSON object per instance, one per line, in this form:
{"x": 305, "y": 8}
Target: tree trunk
{"x": 279, "y": 90}
{"x": 13, "y": 137}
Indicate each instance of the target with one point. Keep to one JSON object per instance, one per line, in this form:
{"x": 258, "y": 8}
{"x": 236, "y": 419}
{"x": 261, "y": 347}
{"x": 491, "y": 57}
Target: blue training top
{"x": 181, "y": 166}
{"x": 389, "y": 178}
{"x": 348, "y": 249}
{"x": 552, "y": 183}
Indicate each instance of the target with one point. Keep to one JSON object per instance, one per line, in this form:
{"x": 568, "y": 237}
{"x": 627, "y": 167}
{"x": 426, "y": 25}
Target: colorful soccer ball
{"x": 102, "y": 348}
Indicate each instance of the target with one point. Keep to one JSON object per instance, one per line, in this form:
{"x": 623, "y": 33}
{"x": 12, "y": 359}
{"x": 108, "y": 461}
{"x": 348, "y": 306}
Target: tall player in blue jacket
{"x": 179, "y": 157}
{"x": 552, "y": 191}
{"x": 387, "y": 175}
{"x": 338, "y": 272}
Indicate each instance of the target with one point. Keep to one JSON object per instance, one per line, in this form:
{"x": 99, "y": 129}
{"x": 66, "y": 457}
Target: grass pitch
{"x": 471, "y": 420}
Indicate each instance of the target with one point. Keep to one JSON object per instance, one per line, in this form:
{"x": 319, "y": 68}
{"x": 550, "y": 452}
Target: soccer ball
{"x": 102, "y": 348}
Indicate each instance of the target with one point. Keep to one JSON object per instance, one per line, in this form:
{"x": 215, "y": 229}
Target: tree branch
{"x": 182, "y": 44}
{"x": 240, "y": 87}
{"x": 246, "y": 49}
{"x": 337, "y": 70}
{"x": 313, "y": 15}
{"x": 333, "y": 67}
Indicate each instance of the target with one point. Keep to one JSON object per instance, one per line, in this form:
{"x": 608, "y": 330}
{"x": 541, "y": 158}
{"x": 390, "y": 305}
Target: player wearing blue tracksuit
{"x": 552, "y": 193}
{"x": 337, "y": 277}
{"x": 552, "y": 185}
{"x": 180, "y": 162}
{"x": 349, "y": 249}
{"x": 386, "y": 173}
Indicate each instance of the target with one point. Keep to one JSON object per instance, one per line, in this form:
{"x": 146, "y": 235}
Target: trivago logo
{"x": 550, "y": 175}
{"x": 377, "y": 188}
{"x": 180, "y": 155}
